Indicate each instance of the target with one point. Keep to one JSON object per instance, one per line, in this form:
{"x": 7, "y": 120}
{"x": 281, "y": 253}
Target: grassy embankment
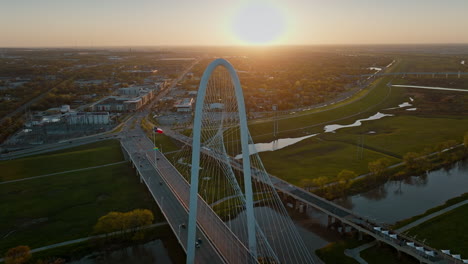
{"x": 44, "y": 211}
{"x": 447, "y": 231}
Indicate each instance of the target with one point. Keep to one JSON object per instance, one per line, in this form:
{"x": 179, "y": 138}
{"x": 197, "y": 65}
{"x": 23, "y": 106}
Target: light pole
{"x": 179, "y": 232}
{"x": 154, "y": 142}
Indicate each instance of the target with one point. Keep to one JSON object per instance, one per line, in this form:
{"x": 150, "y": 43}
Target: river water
{"x": 398, "y": 200}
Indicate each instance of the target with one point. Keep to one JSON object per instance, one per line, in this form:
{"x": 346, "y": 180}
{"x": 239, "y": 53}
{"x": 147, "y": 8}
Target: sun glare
{"x": 258, "y": 24}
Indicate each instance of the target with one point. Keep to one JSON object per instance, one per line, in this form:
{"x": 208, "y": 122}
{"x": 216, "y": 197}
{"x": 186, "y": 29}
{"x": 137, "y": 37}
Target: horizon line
{"x": 233, "y": 46}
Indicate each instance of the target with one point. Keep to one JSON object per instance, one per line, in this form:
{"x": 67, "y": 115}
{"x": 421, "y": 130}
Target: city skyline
{"x": 211, "y": 23}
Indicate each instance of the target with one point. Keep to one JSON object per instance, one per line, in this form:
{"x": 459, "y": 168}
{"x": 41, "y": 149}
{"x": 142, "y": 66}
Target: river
{"x": 398, "y": 200}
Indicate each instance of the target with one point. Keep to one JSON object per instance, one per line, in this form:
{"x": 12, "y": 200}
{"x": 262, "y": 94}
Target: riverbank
{"x": 381, "y": 206}
{"x": 447, "y": 204}
{"x": 393, "y": 173}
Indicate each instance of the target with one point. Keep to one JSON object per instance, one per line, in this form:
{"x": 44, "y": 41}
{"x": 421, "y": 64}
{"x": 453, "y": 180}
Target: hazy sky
{"x": 223, "y": 22}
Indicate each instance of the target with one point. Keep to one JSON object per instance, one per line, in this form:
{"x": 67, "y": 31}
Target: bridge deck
{"x": 170, "y": 206}
{"x": 221, "y": 237}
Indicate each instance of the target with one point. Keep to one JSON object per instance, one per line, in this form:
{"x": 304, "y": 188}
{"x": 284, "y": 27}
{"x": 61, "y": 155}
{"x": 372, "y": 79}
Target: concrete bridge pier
{"x": 301, "y": 207}
{"x": 359, "y": 235}
{"x": 331, "y": 220}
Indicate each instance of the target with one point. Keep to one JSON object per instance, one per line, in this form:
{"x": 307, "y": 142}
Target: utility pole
{"x": 275, "y": 121}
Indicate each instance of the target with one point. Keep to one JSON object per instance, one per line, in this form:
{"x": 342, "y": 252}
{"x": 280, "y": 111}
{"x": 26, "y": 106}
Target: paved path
{"x": 63, "y": 172}
{"x": 355, "y": 253}
{"x": 435, "y": 214}
{"x": 79, "y": 240}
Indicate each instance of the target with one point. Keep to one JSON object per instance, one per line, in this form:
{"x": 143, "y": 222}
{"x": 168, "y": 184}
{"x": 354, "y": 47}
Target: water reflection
{"x": 312, "y": 227}
{"x": 274, "y": 145}
{"x": 333, "y": 128}
{"x": 398, "y": 200}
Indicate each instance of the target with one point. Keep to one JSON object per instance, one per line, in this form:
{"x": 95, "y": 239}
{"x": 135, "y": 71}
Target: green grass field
{"x": 94, "y": 154}
{"x": 58, "y": 208}
{"x": 306, "y": 160}
{"x": 401, "y": 134}
{"x": 447, "y": 231}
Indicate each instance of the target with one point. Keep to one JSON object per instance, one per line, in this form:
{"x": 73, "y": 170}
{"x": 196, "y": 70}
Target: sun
{"x": 258, "y": 24}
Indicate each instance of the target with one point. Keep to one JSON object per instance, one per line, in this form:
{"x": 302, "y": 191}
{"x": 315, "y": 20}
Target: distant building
{"x": 131, "y": 99}
{"x": 184, "y": 105}
{"x": 65, "y": 108}
{"x": 131, "y": 91}
{"x": 88, "y": 118}
{"x": 83, "y": 83}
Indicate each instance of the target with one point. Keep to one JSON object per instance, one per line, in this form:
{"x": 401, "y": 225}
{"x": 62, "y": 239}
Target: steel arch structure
{"x": 195, "y": 169}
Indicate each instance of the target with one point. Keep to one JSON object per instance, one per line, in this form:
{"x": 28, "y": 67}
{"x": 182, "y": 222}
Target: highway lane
{"x": 175, "y": 214}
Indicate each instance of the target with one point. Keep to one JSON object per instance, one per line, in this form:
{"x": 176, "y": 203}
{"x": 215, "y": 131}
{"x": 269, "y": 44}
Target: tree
{"x": 346, "y": 175}
{"x": 118, "y": 221}
{"x": 378, "y": 167}
{"x": 18, "y": 255}
{"x": 111, "y": 222}
{"x": 320, "y": 181}
{"x": 411, "y": 160}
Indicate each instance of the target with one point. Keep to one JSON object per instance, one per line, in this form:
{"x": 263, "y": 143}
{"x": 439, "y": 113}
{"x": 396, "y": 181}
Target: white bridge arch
{"x": 196, "y": 157}
{"x": 219, "y": 134}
